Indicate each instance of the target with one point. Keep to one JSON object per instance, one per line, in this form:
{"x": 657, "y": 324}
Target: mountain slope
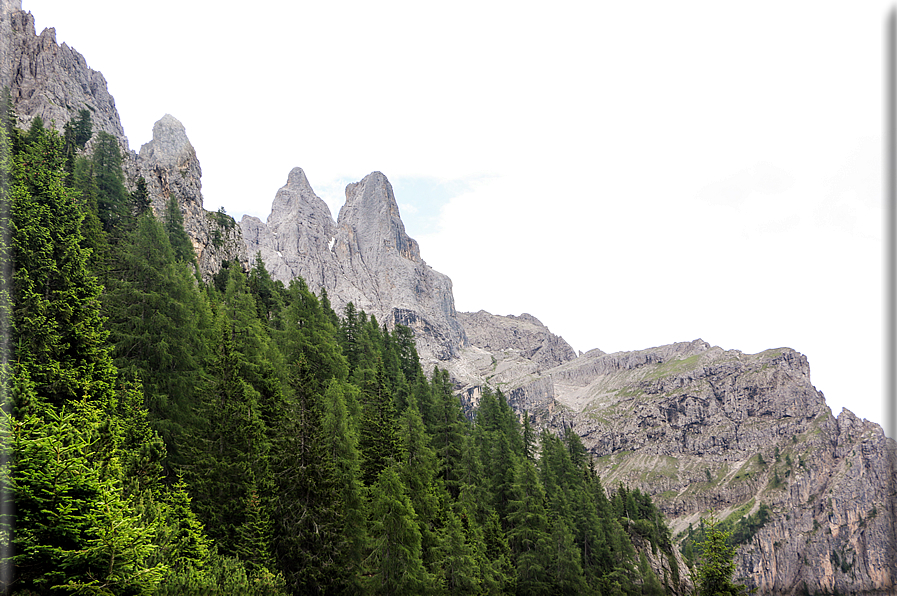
{"x": 695, "y": 426}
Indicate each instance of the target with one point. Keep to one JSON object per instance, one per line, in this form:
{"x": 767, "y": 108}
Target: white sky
{"x": 632, "y": 175}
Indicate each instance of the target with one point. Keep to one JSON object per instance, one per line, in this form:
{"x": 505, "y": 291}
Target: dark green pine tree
{"x": 75, "y": 134}
{"x": 395, "y": 566}
{"x": 379, "y": 438}
{"x": 341, "y": 450}
{"x": 349, "y": 335}
{"x": 306, "y": 500}
{"x": 260, "y": 362}
{"x": 227, "y": 463}
{"x": 499, "y": 460}
{"x": 140, "y": 201}
{"x": 177, "y": 237}
{"x": 113, "y": 199}
{"x": 459, "y": 572}
{"x": 561, "y": 481}
{"x": 160, "y": 326}
{"x": 82, "y": 128}
{"x": 57, "y": 327}
{"x": 270, "y": 296}
{"x": 253, "y": 537}
{"x": 497, "y": 572}
{"x": 394, "y": 370}
{"x": 92, "y": 228}
{"x": 449, "y": 426}
{"x": 418, "y": 471}
{"x": 530, "y": 534}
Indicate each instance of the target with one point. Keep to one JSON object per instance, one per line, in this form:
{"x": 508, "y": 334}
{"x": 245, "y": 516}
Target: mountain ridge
{"x": 717, "y": 413}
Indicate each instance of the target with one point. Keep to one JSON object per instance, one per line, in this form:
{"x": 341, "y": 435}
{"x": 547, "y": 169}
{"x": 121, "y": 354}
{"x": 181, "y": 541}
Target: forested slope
{"x": 168, "y": 436}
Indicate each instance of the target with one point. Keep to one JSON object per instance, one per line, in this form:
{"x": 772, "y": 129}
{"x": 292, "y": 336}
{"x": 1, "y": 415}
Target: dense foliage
{"x": 172, "y": 437}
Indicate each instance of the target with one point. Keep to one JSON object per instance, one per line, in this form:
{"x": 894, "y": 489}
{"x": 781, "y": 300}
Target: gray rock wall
{"x": 171, "y": 168}
{"x": 701, "y": 428}
{"x": 365, "y": 258}
{"x": 50, "y": 80}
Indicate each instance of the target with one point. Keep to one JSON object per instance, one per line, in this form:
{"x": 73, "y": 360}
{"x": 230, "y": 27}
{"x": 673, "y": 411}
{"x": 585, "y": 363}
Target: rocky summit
{"x": 365, "y": 257}
{"x": 698, "y": 427}
{"x": 169, "y": 165}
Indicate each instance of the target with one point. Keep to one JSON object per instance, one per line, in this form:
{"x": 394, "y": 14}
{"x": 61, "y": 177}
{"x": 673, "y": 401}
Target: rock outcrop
{"x": 701, "y": 428}
{"x": 53, "y": 82}
{"x": 297, "y": 239}
{"x": 170, "y": 167}
{"x": 50, "y": 80}
{"x": 365, "y": 258}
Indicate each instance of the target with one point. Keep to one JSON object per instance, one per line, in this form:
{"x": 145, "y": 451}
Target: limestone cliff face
{"x": 703, "y": 428}
{"x": 54, "y": 82}
{"x": 50, "y": 80}
{"x": 507, "y": 353}
{"x": 170, "y": 167}
{"x": 296, "y": 240}
{"x": 365, "y": 258}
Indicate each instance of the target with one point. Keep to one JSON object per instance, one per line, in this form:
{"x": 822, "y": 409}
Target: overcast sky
{"x": 632, "y": 175}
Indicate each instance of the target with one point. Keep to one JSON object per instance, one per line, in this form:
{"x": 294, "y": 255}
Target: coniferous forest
{"x": 169, "y": 436}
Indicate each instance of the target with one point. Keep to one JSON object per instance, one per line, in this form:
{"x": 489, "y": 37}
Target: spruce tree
{"x": 228, "y": 451}
{"x": 530, "y": 533}
{"x": 92, "y": 228}
{"x": 177, "y": 237}
{"x": 160, "y": 325}
{"x": 113, "y": 199}
{"x": 395, "y": 564}
{"x": 74, "y": 530}
{"x": 306, "y": 496}
{"x": 341, "y": 449}
{"x": 57, "y": 325}
{"x": 716, "y": 566}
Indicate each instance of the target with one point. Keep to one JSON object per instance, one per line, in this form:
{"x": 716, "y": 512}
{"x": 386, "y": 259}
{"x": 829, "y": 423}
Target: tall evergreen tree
{"x": 75, "y": 531}
{"x": 306, "y": 495}
{"x": 228, "y": 452}
{"x": 177, "y": 237}
{"x": 57, "y": 326}
{"x": 716, "y": 568}
{"x": 448, "y": 432}
{"x": 92, "y": 228}
{"x": 341, "y": 449}
{"x": 395, "y": 563}
{"x": 113, "y": 199}
{"x": 160, "y": 325}
{"x": 529, "y": 533}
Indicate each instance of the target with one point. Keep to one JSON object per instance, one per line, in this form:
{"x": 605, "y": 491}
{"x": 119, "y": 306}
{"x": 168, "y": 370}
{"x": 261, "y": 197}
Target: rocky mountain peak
{"x": 50, "y": 80}
{"x": 371, "y": 210}
{"x": 297, "y": 201}
{"x": 171, "y": 168}
{"x": 170, "y": 145}
{"x": 296, "y": 240}
{"x": 365, "y": 258}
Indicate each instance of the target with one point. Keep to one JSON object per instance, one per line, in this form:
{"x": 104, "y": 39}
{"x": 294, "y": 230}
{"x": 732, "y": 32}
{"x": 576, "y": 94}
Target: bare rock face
{"x": 298, "y": 235}
{"x": 525, "y": 334}
{"x": 365, "y": 258}
{"x": 170, "y": 167}
{"x": 702, "y": 428}
{"x": 50, "y": 80}
{"x": 507, "y": 353}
